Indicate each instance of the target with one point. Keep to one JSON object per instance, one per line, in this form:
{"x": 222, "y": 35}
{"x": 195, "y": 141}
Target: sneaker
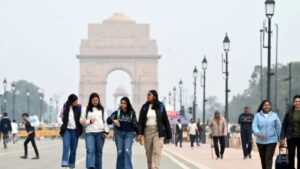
{"x": 250, "y": 156}
{"x": 245, "y": 157}
{"x": 36, "y": 158}
{"x": 24, "y": 157}
{"x": 221, "y": 156}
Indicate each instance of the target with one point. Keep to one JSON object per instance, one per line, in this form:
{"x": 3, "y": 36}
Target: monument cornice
{"x": 118, "y": 57}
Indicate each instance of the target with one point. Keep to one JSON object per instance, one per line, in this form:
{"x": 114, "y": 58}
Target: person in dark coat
{"x": 291, "y": 132}
{"x": 179, "y": 131}
{"x": 5, "y": 128}
{"x": 245, "y": 120}
{"x": 154, "y": 125}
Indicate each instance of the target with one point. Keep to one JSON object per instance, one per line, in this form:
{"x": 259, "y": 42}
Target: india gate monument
{"x": 118, "y": 43}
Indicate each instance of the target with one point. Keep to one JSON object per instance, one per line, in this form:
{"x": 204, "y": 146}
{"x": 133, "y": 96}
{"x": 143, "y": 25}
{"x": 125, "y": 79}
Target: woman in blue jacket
{"x": 266, "y": 127}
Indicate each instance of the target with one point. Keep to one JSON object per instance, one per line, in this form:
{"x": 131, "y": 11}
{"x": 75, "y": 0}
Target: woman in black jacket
{"x": 291, "y": 131}
{"x": 70, "y": 130}
{"x": 154, "y": 126}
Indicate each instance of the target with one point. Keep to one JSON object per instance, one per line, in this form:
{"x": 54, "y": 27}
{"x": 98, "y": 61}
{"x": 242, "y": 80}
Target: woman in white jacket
{"x": 96, "y": 130}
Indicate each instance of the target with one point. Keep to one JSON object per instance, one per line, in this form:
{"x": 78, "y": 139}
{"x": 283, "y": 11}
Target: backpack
{"x": 5, "y": 125}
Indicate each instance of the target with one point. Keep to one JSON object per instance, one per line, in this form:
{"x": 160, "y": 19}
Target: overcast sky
{"x": 39, "y": 40}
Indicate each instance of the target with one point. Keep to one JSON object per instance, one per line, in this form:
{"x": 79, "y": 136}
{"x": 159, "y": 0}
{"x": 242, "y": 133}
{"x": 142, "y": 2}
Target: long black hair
{"x": 71, "y": 99}
{"x": 260, "y": 108}
{"x": 129, "y": 106}
{"x": 90, "y": 105}
{"x": 156, "y": 102}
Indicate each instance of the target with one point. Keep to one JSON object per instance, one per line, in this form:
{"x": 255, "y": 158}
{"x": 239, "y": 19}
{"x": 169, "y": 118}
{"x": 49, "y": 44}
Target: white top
{"x": 179, "y": 125}
{"x": 14, "y": 128}
{"x": 71, "y": 123}
{"x": 192, "y": 128}
{"x": 151, "y": 117}
{"x": 98, "y": 125}
{"x": 266, "y": 114}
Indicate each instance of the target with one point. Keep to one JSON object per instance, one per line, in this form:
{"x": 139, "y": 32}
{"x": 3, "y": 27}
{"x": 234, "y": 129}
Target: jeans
{"x": 94, "y": 149}
{"x": 266, "y": 152}
{"x": 30, "y": 138}
{"x": 124, "y": 140}
{"x": 292, "y": 144}
{"x": 221, "y": 140}
{"x": 70, "y": 142}
{"x": 246, "y": 142}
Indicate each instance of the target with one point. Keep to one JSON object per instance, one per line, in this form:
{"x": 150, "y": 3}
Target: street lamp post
{"x": 4, "y": 94}
{"x": 56, "y": 106}
{"x": 226, "y": 45}
{"x": 50, "y": 110}
{"x": 270, "y": 6}
{"x": 195, "y": 74}
{"x": 180, "y": 99}
{"x": 204, "y": 67}
{"x": 13, "y": 88}
{"x": 41, "y": 104}
{"x": 28, "y": 100}
{"x": 170, "y": 95}
{"x": 174, "y": 97}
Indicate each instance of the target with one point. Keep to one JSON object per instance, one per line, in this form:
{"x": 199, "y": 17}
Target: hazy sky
{"x": 39, "y": 40}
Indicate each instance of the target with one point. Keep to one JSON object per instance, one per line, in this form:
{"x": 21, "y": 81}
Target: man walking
{"x": 5, "y": 128}
{"x": 179, "y": 130}
{"x": 245, "y": 120}
{"x": 30, "y": 137}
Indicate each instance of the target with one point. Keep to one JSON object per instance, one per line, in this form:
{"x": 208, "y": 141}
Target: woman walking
{"x": 96, "y": 130}
{"x": 71, "y": 129}
{"x": 218, "y": 128}
{"x": 291, "y": 131}
{"x": 266, "y": 126}
{"x": 154, "y": 125}
{"x": 125, "y": 122}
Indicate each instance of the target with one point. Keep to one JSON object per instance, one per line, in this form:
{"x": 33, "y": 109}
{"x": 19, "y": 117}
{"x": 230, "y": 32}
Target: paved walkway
{"x": 201, "y": 157}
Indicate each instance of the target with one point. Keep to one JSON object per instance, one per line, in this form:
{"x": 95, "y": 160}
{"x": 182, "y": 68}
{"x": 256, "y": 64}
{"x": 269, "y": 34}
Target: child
{"x": 30, "y": 137}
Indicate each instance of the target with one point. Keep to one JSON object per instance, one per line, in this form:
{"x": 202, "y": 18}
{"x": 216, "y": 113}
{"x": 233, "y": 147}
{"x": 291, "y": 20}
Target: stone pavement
{"x": 202, "y": 157}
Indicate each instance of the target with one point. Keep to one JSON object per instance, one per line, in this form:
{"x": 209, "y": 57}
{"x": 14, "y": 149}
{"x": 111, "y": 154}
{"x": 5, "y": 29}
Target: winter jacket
{"x": 163, "y": 124}
{"x": 287, "y": 124}
{"x": 99, "y": 125}
{"x": 270, "y": 126}
{"x": 218, "y": 129}
{"x": 5, "y": 125}
{"x": 64, "y": 118}
{"x": 127, "y": 120}
{"x": 246, "y": 126}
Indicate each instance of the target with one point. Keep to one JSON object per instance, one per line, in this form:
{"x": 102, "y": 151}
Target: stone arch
{"x": 118, "y": 43}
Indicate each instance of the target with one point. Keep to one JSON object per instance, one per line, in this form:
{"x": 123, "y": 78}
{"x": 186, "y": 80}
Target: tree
{"x": 21, "y": 100}
{"x": 252, "y": 95}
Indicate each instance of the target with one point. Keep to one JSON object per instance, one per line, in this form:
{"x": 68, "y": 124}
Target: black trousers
{"x": 292, "y": 144}
{"x": 266, "y": 153}
{"x": 30, "y": 138}
{"x": 5, "y": 139}
{"x": 246, "y": 142}
{"x": 178, "y": 139}
{"x": 192, "y": 139}
{"x": 219, "y": 140}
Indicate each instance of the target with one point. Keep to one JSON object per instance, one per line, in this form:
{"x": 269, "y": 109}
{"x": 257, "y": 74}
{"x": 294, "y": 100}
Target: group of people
{"x": 268, "y": 130}
{"x": 265, "y": 125}
{"x": 151, "y": 126}
{"x": 8, "y": 128}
